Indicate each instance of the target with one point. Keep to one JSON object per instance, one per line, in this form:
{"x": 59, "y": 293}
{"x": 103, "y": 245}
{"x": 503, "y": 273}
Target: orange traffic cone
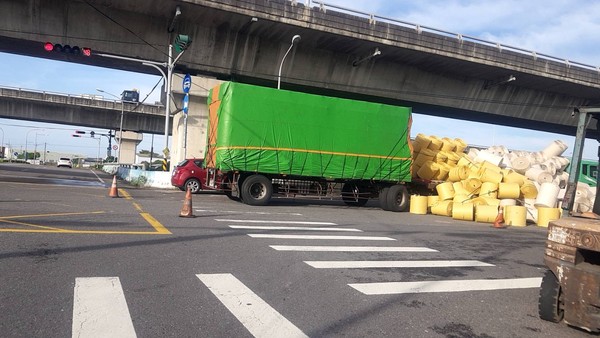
{"x": 499, "y": 221}
{"x": 114, "y": 192}
{"x": 186, "y": 210}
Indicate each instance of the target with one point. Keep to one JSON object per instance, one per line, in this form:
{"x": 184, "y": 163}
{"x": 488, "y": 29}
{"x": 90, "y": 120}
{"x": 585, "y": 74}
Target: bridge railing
{"x": 373, "y": 18}
{"x": 78, "y": 100}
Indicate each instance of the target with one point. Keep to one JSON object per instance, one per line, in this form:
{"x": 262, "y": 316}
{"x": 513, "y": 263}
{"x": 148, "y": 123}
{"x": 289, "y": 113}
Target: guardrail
{"x": 373, "y": 18}
{"x": 95, "y": 101}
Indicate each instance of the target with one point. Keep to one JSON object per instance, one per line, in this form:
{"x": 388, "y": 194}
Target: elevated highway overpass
{"x": 69, "y": 109}
{"x": 436, "y": 72}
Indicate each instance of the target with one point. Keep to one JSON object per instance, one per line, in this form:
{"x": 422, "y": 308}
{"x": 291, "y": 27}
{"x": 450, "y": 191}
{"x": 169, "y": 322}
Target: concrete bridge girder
{"x": 437, "y": 75}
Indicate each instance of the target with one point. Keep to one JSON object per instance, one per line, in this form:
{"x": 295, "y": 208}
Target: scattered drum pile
{"x": 529, "y": 186}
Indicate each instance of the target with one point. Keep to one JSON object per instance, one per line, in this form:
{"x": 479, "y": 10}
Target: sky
{"x": 566, "y": 29}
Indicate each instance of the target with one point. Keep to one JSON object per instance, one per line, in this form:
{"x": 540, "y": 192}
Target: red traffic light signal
{"x": 75, "y": 50}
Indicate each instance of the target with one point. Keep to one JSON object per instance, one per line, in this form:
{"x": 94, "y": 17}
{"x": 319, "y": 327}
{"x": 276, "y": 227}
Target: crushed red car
{"x": 190, "y": 173}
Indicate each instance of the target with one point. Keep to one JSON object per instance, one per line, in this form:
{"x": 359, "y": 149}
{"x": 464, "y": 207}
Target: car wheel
{"x": 550, "y": 304}
{"x": 193, "y": 184}
{"x": 256, "y": 190}
{"x": 397, "y": 198}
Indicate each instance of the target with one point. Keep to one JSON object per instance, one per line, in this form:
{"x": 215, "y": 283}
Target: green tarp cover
{"x": 272, "y": 131}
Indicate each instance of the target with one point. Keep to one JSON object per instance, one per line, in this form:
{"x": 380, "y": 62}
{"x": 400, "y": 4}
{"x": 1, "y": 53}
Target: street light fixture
{"x": 121, "y": 124}
{"x": 295, "y": 38}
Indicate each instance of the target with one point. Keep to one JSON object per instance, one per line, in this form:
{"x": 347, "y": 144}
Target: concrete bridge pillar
{"x": 194, "y": 144}
{"x": 129, "y": 145}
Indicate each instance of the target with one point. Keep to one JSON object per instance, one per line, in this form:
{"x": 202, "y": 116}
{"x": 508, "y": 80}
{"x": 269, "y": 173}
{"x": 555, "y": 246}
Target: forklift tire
{"x": 256, "y": 190}
{"x": 550, "y": 305}
{"x": 397, "y": 198}
{"x": 383, "y": 198}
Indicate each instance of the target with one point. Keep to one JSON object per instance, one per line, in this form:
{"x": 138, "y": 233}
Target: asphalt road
{"x": 75, "y": 262}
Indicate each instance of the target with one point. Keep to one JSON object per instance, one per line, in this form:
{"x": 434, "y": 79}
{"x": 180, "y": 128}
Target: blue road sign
{"x": 187, "y": 83}
{"x": 186, "y": 103}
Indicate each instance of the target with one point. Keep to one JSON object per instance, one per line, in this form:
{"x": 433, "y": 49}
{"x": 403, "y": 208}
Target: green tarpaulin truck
{"x": 263, "y": 141}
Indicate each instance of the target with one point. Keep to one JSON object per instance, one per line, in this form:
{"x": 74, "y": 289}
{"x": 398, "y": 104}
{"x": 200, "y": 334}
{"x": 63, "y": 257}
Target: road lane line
{"x": 252, "y": 311}
{"x": 50, "y": 215}
{"x": 393, "y": 264}
{"x": 267, "y": 227}
{"x": 155, "y": 224}
{"x": 391, "y": 288}
{"x": 100, "y": 309}
{"x": 356, "y": 238}
{"x": 98, "y": 177}
{"x": 248, "y": 212}
{"x": 273, "y": 222}
{"x": 352, "y": 248}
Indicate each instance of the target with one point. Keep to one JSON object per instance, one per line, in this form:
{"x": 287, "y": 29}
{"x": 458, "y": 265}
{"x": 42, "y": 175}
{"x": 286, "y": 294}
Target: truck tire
{"x": 256, "y": 190}
{"x": 352, "y": 195}
{"x": 383, "y": 198}
{"x": 550, "y": 304}
{"x": 397, "y": 198}
{"x": 193, "y": 184}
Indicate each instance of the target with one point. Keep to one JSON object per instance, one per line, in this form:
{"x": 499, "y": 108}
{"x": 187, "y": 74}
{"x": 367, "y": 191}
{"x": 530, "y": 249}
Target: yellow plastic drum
{"x": 486, "y": 213}
{"x": 529, "y": 190}
{"x": 515, "y": 215}
{"x": 462, "y": 211}
{"x": 545, "y": 215}
{"x": 508, "y": 190}
{"x": 445, "y": 191}
{"x": 442, "y": 208}
{"x": 418, "y": 205}
{"x": 489, "y": 189}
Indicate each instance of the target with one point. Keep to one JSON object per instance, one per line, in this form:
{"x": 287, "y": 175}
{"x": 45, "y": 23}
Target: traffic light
{"x": 182, "y": 42}
{"x": 75, "y": 50}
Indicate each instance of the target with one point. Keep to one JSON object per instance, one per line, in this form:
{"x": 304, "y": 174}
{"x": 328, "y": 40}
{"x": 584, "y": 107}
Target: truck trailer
{"x": 263, "y": 142}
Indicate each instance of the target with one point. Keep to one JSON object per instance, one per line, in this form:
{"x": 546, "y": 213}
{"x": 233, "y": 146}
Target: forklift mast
{"x": 584, "y": 114}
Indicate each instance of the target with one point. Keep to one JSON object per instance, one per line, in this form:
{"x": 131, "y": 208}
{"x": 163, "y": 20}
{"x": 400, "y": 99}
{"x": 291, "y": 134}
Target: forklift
{"x": 570, "y": 289}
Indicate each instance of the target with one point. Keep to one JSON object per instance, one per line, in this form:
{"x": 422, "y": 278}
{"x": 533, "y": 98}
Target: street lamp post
{"x": 121, "y": 124}
{"x": 26, "y": 138}
{"x": 294, "y": 39}
{"x": 2, "y": 144}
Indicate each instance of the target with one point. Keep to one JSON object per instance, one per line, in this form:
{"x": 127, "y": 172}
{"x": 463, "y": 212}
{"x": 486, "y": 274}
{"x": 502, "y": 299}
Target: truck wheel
{"x": 397, "y": 198}
{"x": 550, "y": 305}
{"x": 383, "y": 198}
{"x": 351, "y": 195}
{"x": 256, "y": 190}
{"x": 193, "y": 184}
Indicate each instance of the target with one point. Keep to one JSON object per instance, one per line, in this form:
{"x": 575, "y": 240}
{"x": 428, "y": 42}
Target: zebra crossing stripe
{"x": 351, "y": 248}
{"x": 446, "y": 286}
{"x": 252, "y": 311}
{"x": 100, "y": 309}
{"x": 393, "y": 264}
{"x": 267, "y": 227}
{"x": 273, "y": 222}
{"x": 356, "y": 238}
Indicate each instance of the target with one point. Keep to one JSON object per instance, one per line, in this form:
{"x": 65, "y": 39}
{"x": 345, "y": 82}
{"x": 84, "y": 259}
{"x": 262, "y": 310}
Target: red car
{"x": 189, "y": 173}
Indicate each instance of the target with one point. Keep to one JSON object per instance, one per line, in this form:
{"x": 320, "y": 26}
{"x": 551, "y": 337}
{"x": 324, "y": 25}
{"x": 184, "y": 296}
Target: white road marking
{"x": 247, "y": 212}
{"x": 392, "y": 264}
{"x": 356, "y": 238}
{"x": 100, "y": 309}
{"x": 446, "y": 286}
{"x": 273, "y": 222}
{"x": 251, "y": 310}
{"x": 98, "y": 177}
{"x": 267, "y": 227}
{"x": 352, "y": 248}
